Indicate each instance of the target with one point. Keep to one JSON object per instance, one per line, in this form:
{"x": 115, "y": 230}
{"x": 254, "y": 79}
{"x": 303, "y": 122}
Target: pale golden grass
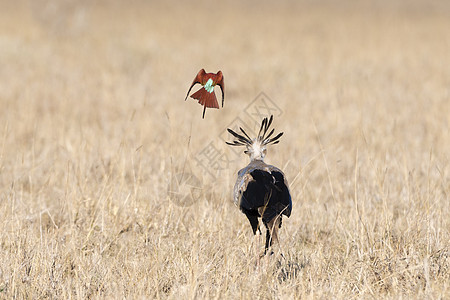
{"x": 94, "y": 126}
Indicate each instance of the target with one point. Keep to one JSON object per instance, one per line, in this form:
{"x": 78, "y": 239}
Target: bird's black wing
{"x": 252, "y": 216}
{"x": 257, "y": 191}
{"x": 284, "y": 201}
{"x": 269, "y": 192}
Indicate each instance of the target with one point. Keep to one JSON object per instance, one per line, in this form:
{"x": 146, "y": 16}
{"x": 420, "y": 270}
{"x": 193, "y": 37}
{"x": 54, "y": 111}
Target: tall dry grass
{"x": 94, "y": 132}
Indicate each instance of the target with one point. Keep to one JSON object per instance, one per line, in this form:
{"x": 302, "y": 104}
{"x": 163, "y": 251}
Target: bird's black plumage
{"x": 266, "y": 196}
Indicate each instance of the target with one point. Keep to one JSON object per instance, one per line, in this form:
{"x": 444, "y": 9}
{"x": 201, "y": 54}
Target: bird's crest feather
{"x": 256, "y": 147}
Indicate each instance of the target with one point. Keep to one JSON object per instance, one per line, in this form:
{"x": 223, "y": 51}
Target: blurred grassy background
{"x": 94, "y": 129}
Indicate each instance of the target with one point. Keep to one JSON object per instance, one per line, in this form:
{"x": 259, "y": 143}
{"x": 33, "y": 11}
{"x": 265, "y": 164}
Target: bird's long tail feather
{"x": 206, "y": 98}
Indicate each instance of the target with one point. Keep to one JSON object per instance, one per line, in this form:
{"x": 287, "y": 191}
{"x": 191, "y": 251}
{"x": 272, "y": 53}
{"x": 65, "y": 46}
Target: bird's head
{"x": 257, "y": 147}
{"x": 256, "y": 151}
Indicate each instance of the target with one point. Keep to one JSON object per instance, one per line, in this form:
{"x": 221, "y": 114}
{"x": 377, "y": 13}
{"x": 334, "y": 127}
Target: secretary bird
{"x": 261, "y": 190}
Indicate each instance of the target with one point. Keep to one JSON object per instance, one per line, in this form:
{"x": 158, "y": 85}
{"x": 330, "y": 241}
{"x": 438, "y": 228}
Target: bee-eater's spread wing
{"x": 221, "y": 83}
{"x": 200, "y": 78}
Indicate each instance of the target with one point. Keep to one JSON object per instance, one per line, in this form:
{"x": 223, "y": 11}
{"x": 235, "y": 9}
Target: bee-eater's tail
{"x": 206, "y": 99}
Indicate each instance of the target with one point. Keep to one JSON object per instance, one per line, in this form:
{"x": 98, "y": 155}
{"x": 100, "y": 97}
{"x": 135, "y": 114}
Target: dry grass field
{"x": 112, "y": 186}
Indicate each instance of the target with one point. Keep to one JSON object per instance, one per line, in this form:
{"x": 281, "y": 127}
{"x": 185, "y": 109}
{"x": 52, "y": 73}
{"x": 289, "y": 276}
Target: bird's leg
{"x": 268, "y": 241}
{"x": 258, "y": 235}
{"x": 267, "y": 245}
{"x": 272, "y": 233}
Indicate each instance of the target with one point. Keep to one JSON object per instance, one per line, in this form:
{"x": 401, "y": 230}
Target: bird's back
{"x": 261, "y": 188}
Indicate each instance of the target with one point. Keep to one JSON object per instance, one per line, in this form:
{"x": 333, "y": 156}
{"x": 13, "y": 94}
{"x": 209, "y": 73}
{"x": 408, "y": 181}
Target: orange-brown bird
{"x": 206, "y": 95}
